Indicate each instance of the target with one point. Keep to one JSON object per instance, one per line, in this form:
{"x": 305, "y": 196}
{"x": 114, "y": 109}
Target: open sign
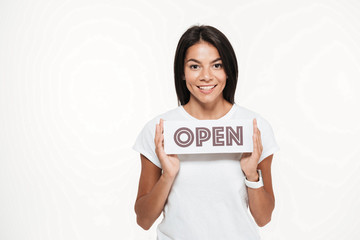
{"x": 208, "y": 136}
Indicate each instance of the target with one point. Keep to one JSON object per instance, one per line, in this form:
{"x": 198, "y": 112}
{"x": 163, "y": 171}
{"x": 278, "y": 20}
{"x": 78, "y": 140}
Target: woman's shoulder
{"x": 172, "y": 114}
{"x": 245, "y": 113}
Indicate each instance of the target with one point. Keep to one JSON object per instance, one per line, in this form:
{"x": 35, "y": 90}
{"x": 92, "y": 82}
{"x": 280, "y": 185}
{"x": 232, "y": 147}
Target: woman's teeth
{"x": 207, "y": 87}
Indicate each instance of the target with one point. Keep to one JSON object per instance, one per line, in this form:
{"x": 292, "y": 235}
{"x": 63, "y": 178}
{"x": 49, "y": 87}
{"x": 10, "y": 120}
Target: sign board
{"x": 208, "y": 136}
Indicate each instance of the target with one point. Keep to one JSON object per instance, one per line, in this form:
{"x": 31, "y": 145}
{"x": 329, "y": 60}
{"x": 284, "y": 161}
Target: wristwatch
{"x": 257, "y": 184}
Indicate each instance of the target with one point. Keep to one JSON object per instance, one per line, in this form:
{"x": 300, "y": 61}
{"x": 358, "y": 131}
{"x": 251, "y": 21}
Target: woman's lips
{"x": 207, "y": 89}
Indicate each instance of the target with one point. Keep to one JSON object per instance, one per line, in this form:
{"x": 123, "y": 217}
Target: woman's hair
{"x": 209, "y": 34}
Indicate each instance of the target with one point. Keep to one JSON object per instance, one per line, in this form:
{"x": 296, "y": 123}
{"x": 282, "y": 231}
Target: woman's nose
{"x": 206, "y": 74}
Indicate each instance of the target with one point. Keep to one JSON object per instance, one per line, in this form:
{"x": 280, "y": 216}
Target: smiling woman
{"x": 204, "y": 195}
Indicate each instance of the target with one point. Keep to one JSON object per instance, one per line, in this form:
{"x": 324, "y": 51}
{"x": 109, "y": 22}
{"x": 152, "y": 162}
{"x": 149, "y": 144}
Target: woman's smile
{"x": 207, "y": 88}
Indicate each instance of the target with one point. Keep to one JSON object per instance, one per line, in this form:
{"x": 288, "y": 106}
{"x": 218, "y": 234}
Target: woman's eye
{"x": 194, "y": 66}
{"x": 218, "y": 65}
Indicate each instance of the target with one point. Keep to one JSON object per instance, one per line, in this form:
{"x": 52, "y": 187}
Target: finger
{"x": 260, "y": 141}
{"x": 254, "y": 125}
{"x": 259, "y": 144}
{"x": 256, "y": 146}
{"x": 254, "y": 136}
{"x": 162, "y": 125}
{"x": 157, "y": 135}
{"x": 258, "y": 132}
{"x": 156, "y": 131}
{"x": 162, "y": 131}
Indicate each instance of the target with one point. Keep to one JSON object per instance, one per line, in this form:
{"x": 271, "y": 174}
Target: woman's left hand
{"x": 249, "y": 161}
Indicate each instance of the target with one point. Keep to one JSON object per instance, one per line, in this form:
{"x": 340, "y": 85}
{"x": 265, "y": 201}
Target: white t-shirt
{"x": 208, "y": 199}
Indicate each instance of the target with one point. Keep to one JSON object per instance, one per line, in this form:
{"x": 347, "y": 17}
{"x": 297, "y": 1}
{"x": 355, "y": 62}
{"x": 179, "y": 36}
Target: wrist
{"x": 252, "y": 182}
{"x": 253, "y": 177}
{"x": 168, "y": 177}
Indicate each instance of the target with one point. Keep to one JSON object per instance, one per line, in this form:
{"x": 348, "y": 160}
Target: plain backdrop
{"x": 79, "y": 79}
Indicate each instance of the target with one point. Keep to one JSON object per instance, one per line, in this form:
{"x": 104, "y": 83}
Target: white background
{"x": 79, "y": 79}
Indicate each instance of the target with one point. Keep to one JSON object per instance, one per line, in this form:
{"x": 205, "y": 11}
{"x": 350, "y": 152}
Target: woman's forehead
{"x": 201, "y": 52}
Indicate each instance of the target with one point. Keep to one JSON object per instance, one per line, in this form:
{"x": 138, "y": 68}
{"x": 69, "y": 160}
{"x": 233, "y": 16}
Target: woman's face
{"x": 204, "y": 73}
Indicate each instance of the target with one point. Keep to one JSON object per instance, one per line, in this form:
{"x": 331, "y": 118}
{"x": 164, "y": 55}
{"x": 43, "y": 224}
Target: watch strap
{"x": 257, "y": 184}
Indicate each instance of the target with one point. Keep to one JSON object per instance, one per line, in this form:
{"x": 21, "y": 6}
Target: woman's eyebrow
{"x": 191, "y": 59}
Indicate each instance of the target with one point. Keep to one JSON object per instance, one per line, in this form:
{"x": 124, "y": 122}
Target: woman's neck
{"x": 208, "y": 111}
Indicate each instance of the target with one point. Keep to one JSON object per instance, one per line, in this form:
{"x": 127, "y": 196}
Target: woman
{"x": 205, "y": 196}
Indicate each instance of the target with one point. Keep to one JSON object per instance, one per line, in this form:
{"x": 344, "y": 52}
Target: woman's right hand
{"x": 169, "y": 162}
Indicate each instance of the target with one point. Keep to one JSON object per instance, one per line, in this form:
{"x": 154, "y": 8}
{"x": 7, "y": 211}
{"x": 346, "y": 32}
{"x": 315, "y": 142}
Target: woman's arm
{"x": 153, "y": 191}
{"x": 262, "y": 200}
{"x": 155, "y": 183}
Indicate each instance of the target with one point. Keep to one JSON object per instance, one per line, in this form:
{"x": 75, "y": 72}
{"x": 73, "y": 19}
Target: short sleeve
{"x": 268, "y": 140}
{"x": 145, "y": 144}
